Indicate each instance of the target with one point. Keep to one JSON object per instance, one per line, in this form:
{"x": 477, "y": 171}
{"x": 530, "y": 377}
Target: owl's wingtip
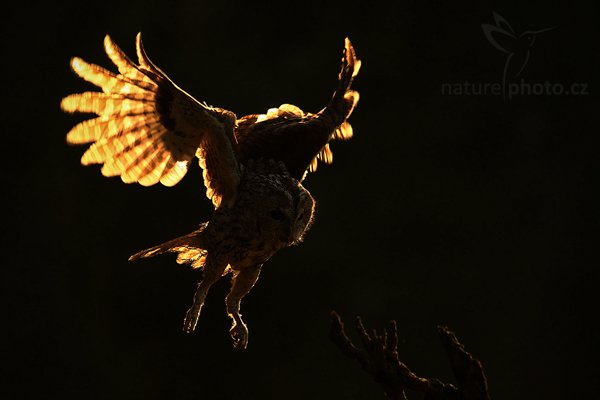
{"x": 143, "y": 58}
{"x": 350, "y": 57}
{"x": 76, "y": 63}
{"x": 109, "y": 42}
{"x": 348, "y": 44}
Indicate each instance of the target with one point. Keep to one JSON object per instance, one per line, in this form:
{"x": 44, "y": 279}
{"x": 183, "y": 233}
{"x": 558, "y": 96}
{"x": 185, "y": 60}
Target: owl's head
{"x": 279, "y": 205}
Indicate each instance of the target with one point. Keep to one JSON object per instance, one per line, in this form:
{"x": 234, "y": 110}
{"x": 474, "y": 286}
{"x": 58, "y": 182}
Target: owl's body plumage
{"x": 147, "y": 131}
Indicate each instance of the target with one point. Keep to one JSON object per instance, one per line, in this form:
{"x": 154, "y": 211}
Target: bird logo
{"x": 517, "y": 47}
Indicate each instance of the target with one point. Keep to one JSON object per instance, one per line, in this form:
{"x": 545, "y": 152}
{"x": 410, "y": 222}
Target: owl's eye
{"x": 277, "y": 215}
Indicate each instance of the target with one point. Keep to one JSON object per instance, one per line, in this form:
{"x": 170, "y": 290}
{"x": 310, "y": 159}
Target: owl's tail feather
{"x": 190, "y": 249}
{"x": 344, "y": 99}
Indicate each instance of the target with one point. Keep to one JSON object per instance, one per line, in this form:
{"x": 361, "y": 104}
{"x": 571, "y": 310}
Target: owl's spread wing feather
{"x": 147, "y": 129}
{"x": 297, "y": 138}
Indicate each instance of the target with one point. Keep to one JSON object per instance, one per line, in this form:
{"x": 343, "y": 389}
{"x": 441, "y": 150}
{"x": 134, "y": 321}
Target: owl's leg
{"x": 242, "y": 282}
{"x": 212, "y": 273}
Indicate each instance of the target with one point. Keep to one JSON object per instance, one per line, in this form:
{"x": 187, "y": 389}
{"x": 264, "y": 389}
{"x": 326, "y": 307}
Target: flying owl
{"x": 148, "y": 130}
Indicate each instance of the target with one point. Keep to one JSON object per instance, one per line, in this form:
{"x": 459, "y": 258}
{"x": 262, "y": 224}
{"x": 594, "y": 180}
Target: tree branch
{"x": 379, "y": 357}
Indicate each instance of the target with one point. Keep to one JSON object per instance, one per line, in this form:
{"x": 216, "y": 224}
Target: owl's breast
{"x": 254, "y": 252}
{"x": 262, "y": 220}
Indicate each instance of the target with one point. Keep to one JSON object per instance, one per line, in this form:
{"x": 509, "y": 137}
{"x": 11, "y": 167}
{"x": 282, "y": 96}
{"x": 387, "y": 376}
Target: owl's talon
{"x": 192, "y": 315}
{"x": 239, "y": 334}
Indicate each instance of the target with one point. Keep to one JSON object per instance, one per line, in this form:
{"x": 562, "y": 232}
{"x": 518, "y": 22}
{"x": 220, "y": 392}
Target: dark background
{"x": 467, "y": 211}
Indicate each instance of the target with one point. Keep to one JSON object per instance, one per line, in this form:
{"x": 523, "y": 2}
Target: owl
{"x": 148, "y": 130}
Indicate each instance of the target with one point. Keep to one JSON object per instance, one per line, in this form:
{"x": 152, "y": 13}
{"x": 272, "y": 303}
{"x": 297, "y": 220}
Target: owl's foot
{"x": 242, "y": 282}
{"x": 212, "y": 273}
{"x": 239, "y": 334}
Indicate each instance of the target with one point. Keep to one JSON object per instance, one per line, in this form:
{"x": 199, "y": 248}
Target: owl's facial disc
{"x": 289, "y": 215}
{"x": 281, "y": 221}
{"x": 278, "y": 206}
{"x": 304, "y": 215}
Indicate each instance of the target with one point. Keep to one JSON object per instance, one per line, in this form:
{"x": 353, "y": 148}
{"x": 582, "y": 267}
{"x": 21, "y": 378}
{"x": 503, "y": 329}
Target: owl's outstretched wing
{"x": 297, "y": 138}
{"x": 147, "y": 129}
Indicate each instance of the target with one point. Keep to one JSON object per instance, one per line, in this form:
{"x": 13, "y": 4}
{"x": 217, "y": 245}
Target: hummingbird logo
{"x": 517, "y": 47}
